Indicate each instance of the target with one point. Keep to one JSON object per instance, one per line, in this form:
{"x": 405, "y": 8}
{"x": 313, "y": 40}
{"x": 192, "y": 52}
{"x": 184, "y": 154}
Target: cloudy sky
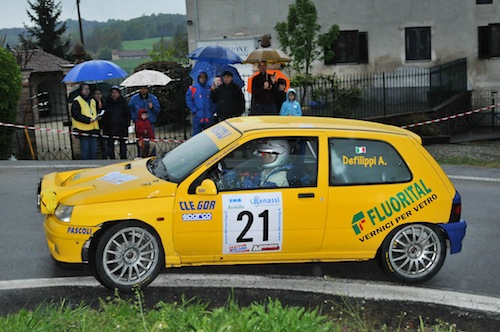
{"x": 13, "y": 12}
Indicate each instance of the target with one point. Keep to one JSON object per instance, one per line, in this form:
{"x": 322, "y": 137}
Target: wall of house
{"x": 454, "y": 29}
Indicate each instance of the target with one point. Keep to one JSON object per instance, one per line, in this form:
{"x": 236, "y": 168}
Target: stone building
{"x": 376, "y": 35}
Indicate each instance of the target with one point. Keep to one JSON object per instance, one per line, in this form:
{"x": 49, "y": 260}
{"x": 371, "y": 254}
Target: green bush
{"x": 10, "y": 90}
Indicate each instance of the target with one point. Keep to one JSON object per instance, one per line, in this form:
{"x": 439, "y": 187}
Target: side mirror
{"x": 207, "y": 187}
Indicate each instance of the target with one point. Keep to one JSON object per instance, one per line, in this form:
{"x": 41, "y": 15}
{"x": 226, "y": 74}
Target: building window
{"x": 350, "y": 47}
{"x": 418, "y": 43}
{"x": 484, "y": 2}
{"x": 489, "y": 41}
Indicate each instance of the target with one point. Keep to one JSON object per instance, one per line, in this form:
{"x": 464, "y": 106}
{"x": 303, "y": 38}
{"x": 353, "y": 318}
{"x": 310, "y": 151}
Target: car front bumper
{"x": 66, "y": 241}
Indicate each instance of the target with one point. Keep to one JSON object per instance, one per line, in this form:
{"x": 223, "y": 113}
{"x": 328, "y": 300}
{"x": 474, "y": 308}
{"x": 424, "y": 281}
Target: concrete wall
{"x": 453, "y": 25}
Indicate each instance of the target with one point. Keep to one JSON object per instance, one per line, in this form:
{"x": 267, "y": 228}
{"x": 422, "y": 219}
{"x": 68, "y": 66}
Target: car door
{"x": 247, "y": 218}
{"x": 367, "y": 177}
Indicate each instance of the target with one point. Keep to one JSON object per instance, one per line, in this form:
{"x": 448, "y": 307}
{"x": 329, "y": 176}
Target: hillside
{"x": 98, "y": 33}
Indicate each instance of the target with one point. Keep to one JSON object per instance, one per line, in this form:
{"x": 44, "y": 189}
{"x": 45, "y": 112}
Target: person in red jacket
{"x": 144, "y": 133}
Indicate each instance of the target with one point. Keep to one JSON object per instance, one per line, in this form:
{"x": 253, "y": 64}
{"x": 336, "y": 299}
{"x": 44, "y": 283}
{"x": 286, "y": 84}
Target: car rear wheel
{"x": 413, "y": 253}
{"x": 129, "y": 255}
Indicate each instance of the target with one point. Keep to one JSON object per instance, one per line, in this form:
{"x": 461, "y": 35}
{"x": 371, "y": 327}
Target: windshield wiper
{"x": 160, "y": 170}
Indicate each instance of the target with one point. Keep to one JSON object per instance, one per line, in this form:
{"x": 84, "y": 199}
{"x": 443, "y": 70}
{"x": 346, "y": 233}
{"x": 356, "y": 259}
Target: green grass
{"x": 130, "y": 64}
{"x": 464, "y": 160}
{"x": 116, "y": 314}
{"x": 142, "y": 44}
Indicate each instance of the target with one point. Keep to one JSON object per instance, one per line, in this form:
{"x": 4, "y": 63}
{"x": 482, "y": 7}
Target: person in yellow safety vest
{"x": 85, "y": 121}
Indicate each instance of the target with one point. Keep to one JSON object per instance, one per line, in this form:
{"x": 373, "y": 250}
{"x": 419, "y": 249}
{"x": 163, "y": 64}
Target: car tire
{"x": 413, "y": 253}
{"x": 128, "y": 256}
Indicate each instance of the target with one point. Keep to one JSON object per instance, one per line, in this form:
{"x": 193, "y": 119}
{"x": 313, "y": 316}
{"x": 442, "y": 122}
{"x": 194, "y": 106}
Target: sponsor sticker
{"x": 196, "y": 216}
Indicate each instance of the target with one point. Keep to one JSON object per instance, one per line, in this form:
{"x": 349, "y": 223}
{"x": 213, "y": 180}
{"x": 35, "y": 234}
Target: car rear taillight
{"x": 456, "y": 208}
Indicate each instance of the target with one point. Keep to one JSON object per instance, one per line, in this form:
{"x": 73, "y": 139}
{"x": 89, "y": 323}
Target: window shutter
{"x": 363, "y": 47}
{"x": 410, "y": 43}
{"x": 494, "y": 41}
{"x": 483, "y": 41}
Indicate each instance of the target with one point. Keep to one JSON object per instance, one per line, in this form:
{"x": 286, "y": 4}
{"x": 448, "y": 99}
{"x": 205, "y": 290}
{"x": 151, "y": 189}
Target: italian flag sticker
{"x": 360, "y": 149}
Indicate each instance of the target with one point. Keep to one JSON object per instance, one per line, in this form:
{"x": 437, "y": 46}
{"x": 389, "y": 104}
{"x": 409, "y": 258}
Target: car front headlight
{"x": 63, "y": 212}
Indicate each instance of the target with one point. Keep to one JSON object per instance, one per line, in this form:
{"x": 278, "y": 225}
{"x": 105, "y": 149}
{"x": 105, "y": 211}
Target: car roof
{"x": 252, "y": 123}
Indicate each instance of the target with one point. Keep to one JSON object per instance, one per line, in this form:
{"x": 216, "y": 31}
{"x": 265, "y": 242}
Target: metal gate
{"x": 50, "y": 111}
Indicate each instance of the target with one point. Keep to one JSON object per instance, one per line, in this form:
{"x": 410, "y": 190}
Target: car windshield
{"x": 182, "y": 160}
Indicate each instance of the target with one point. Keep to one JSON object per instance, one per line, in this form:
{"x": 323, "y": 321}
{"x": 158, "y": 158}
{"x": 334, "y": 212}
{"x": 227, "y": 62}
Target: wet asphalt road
{"x": 25, "y": 254}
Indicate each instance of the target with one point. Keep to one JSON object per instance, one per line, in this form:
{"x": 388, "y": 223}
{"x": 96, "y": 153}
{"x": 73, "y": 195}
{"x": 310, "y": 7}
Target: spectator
{"x": 103, "y": 142}
{"x": 217, "y": 82}
{"x": 199, "y": 102}
{"x": 144, "y": 99}
{"x": 264, "y": 90}
{"x": 117, "y": 119}
{"x": 85, "y": 121}
{"x": 144, "y": 133}
{"x": 228, "y": 98}
{"x": 280, "y": 95}
{"x": 291, "y": 106}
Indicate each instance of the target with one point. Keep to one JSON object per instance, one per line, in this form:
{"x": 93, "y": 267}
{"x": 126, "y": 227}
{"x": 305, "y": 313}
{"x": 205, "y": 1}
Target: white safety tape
{"x": 412, "y": 125}
{"x": 77, "y": 133}
{"x": 450, "y": 117}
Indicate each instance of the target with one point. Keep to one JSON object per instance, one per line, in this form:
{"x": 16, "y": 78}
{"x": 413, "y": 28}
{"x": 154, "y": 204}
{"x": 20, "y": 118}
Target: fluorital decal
{"x": 393, "y": 210}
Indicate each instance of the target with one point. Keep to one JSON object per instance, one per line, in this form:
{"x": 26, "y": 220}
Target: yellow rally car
{"x": 255, "y": 190}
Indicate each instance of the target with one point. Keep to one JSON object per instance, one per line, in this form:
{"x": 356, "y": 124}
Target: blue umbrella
{"x": 216, "y": 54}
{"x": 215, "y": 69}
{"x": 94, "y": 70}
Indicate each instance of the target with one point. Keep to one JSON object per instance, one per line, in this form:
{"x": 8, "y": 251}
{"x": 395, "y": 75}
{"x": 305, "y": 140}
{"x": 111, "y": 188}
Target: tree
{"x": 105, "y": 54}
{"x": 48, "y": 31}
{"x": 161, "y": 51}
{"x": 174, "y": 50}
{"x": 104, "y": 37}
{"x": 10, "y": 91}
{"x": 299, "y": 36}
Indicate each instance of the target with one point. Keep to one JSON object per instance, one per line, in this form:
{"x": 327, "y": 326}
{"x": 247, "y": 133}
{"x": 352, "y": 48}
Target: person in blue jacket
{"x": 201, "y": 106}
{"x": 290, "y": 106}
{"x": 147, "y": 100}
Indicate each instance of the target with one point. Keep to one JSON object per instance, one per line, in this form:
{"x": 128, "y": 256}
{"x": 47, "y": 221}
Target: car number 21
{"x": 252, "y": 223}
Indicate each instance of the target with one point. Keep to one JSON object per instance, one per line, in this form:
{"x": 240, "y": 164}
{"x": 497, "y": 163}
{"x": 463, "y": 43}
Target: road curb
{"x": 368, "y": 290}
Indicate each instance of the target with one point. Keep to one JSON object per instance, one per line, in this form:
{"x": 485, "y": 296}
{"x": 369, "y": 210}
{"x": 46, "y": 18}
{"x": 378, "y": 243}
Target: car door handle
{"x": 306, "y": 195}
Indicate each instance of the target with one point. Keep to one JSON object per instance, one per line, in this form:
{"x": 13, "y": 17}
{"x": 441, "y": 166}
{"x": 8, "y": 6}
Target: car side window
{"x": 272, "y": 162}
{"x": 363, "y": 161}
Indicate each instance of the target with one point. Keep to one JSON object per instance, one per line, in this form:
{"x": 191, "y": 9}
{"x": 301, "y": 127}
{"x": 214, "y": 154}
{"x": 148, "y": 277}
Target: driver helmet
{"x": 275, "y": 153}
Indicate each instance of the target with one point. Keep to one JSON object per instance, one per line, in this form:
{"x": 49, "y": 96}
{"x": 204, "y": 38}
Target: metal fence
{"x": 407, "y": 94}
{"x": 50, "y": 112}
{"x": 486, "y": 118}
{"x": 376, "y": 95}
{"x": 367, "y": 95}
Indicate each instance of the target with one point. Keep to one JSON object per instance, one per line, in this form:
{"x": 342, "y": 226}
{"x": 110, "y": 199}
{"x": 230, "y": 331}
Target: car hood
{"x": 118, "y": 182}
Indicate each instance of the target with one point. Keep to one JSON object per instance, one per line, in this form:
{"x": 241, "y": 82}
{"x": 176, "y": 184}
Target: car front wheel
{"x": 129, "y": 255}
{"x": 413, "y": 253}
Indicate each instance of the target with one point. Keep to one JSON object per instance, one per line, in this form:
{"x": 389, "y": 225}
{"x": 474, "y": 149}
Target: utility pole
{"x": 79, "y": 21}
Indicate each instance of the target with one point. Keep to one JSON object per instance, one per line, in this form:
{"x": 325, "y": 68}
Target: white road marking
{"x": 378, "y": 291}
{"x": 50, "y": 166}
{"x": 473, "y": 178}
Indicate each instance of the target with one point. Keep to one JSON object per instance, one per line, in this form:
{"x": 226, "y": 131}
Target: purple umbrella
{"x": 215, "y": 54}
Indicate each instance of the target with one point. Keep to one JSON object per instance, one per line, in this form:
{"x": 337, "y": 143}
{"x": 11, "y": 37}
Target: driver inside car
{"x": 275, "y": 160}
